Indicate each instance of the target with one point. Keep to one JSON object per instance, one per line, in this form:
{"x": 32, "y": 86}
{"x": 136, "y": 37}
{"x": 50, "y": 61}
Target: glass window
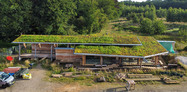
{"x": 93, "y": 60}
{"x": 109, "y": 60}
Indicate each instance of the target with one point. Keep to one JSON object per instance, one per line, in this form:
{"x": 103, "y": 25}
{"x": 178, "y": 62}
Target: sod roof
{"x": 78, "y": 39}
{"x": 149, "y": 46}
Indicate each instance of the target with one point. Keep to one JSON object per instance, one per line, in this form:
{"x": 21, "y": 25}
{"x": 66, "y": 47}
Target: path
{"x": 36, "y": 84}
{"x": 182, "y": 59}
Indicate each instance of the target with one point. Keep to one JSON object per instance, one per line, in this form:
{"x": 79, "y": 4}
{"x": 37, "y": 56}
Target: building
{"x": 93, "y": 50}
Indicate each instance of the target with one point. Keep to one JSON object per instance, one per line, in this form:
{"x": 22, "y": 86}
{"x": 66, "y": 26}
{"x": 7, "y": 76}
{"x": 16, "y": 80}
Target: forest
{"x": 73, "y": 17}
{"x": 62, "y": 17}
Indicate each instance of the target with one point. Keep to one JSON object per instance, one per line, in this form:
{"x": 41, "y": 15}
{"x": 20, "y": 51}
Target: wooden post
{"x": 140, "y": 62}
{"x": 35, "y": 52}
{"x": 156, "y": 60}
{"x": 83, "y": 59}
{"x": 120, "y": 60}
{"x": 19, "y": 57}
{"x": 101, "y": 60}
{"x": 51, "y": 52}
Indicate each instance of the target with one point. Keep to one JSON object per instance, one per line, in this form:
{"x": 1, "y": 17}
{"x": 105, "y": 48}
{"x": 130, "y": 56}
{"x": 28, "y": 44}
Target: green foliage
{"x": 71, "y": 69}
{"x": 183, "y": 31}
{"x": 15, "y": 18}
{"x": 185, "y": 48}
{"x": 80, "y": 78}
{"x": 151, "y": 13}
{"x": 159, "y": 27}
{"x": 161, "y": 13}
{"x": 79, "y": 39}
{"x": 146, "y": 26}
{"x": 152, "y": 27}
{"x": 144, "y": 50}
{"x": 63, "y": 17}
{"x": 176, "y": 15}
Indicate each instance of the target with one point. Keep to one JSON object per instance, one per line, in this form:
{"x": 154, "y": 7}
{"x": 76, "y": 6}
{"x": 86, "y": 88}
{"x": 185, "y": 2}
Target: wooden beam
{"x": 138, "y": 61}
{"x": 101, "y": 60}
{"x": 19, "y": 56}
{"x": 24, "y": 45}
{"x": 156, "y": 60}
{"x": 120, "y": 60}
{"x": 40, "y": 46}
{"x": 83, "y": 59}
{"x": 35, "y": 52}
{"x": 141, "y": 62}
{"x": 51, "y": 52}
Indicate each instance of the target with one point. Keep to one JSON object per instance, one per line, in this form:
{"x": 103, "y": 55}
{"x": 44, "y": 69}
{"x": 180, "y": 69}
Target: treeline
{"x": 176, "y": 15}
{"x": 133, "y": 11}
{"x": 54, "y": 16}
{"x": 160, "y": 3}
{"x": 171, "y": 14}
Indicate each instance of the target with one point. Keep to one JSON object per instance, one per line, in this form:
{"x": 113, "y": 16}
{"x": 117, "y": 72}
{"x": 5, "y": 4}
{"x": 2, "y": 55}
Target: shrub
{"x": 27, "y": 62}
{"x": 80, "y": 78}
{"x": 71, "y": 69}
{"x": 185, "y": 48}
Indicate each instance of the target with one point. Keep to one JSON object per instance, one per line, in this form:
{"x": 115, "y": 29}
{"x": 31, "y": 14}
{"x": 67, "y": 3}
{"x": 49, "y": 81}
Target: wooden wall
{"x": 67, "y": 55}
{"x": 43, "y": 50}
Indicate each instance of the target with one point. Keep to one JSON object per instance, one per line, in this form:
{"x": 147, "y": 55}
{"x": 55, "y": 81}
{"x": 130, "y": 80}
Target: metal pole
{"x": 19, "y": 57}
{"x": 51, "y": 52}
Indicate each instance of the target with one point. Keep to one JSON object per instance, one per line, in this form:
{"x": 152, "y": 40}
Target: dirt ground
{"x": 38, "y": 84}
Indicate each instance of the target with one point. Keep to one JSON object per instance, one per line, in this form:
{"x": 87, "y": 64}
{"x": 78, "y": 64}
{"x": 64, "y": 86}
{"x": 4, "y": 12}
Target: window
{"x": 93, "y": 60}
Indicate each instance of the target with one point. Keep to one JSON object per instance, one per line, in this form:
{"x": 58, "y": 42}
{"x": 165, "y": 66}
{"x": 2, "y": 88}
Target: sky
{"x": 133, "y": 0}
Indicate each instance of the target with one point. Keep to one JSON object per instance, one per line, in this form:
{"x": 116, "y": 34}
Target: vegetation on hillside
{"x": 59, "y": 17}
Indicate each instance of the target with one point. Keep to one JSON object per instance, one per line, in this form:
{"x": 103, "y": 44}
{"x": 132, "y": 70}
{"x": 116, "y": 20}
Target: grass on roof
{"x": 79, "y": 39}
{"x": 150, "y": 46}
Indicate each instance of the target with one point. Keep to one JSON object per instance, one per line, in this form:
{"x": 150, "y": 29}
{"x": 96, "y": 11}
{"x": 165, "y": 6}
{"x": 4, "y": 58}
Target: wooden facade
{"x": 66, "y": 55}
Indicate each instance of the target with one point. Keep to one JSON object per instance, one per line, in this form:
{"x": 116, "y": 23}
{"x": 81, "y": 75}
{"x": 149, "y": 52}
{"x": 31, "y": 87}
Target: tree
{"x": 158, "y": 26}
{"x": 109, "y": 7}
{"x": 146, "y": 26}
{"x": 135, "y": 19}
{"x": 151, "y": 13}
{"x": 183, "y": 31}
{"x": 53, "y": 16}
{"x": 92, "y": 18}
{"x": 15, "y": 18}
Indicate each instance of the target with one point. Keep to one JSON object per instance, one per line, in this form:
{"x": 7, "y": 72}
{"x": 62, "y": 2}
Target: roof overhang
{"x": 107, "y": 55}
{"x": 80, "y": 43}
{"x": 88, "y": 54}
{"x": 166, "y": 41}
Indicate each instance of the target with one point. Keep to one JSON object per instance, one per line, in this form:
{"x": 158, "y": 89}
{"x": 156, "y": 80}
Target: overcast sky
{"x": 133, "y": 0}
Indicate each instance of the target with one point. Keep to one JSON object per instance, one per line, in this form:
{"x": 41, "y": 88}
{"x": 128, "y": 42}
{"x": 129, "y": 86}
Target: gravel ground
{"x": 182, "y": 59}
{"x": 36, "y": 84}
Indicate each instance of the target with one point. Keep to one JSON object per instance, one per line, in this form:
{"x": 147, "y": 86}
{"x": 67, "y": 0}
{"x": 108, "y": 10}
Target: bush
{"x": 80, "y": 78}
{"x": 71, "y": 69}
{"x": 185, "y": 48}
{"x": 27, "y": 62}
{"x": 152, "y": 27}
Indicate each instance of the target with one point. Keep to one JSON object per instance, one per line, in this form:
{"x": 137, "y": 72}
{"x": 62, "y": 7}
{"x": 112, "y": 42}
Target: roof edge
{"x": 107, "y": 55}
{"x": 80, "y": 43}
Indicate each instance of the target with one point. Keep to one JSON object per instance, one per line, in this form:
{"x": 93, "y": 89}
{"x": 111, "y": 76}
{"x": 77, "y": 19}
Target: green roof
{"x": 78, "y": 39}
{"x": 150, "y": 46}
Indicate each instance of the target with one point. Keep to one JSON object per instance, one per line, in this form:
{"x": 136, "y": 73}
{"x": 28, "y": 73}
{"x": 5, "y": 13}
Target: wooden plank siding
{"x": 67, "y": 55}
{"x": 43, "y": 50}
